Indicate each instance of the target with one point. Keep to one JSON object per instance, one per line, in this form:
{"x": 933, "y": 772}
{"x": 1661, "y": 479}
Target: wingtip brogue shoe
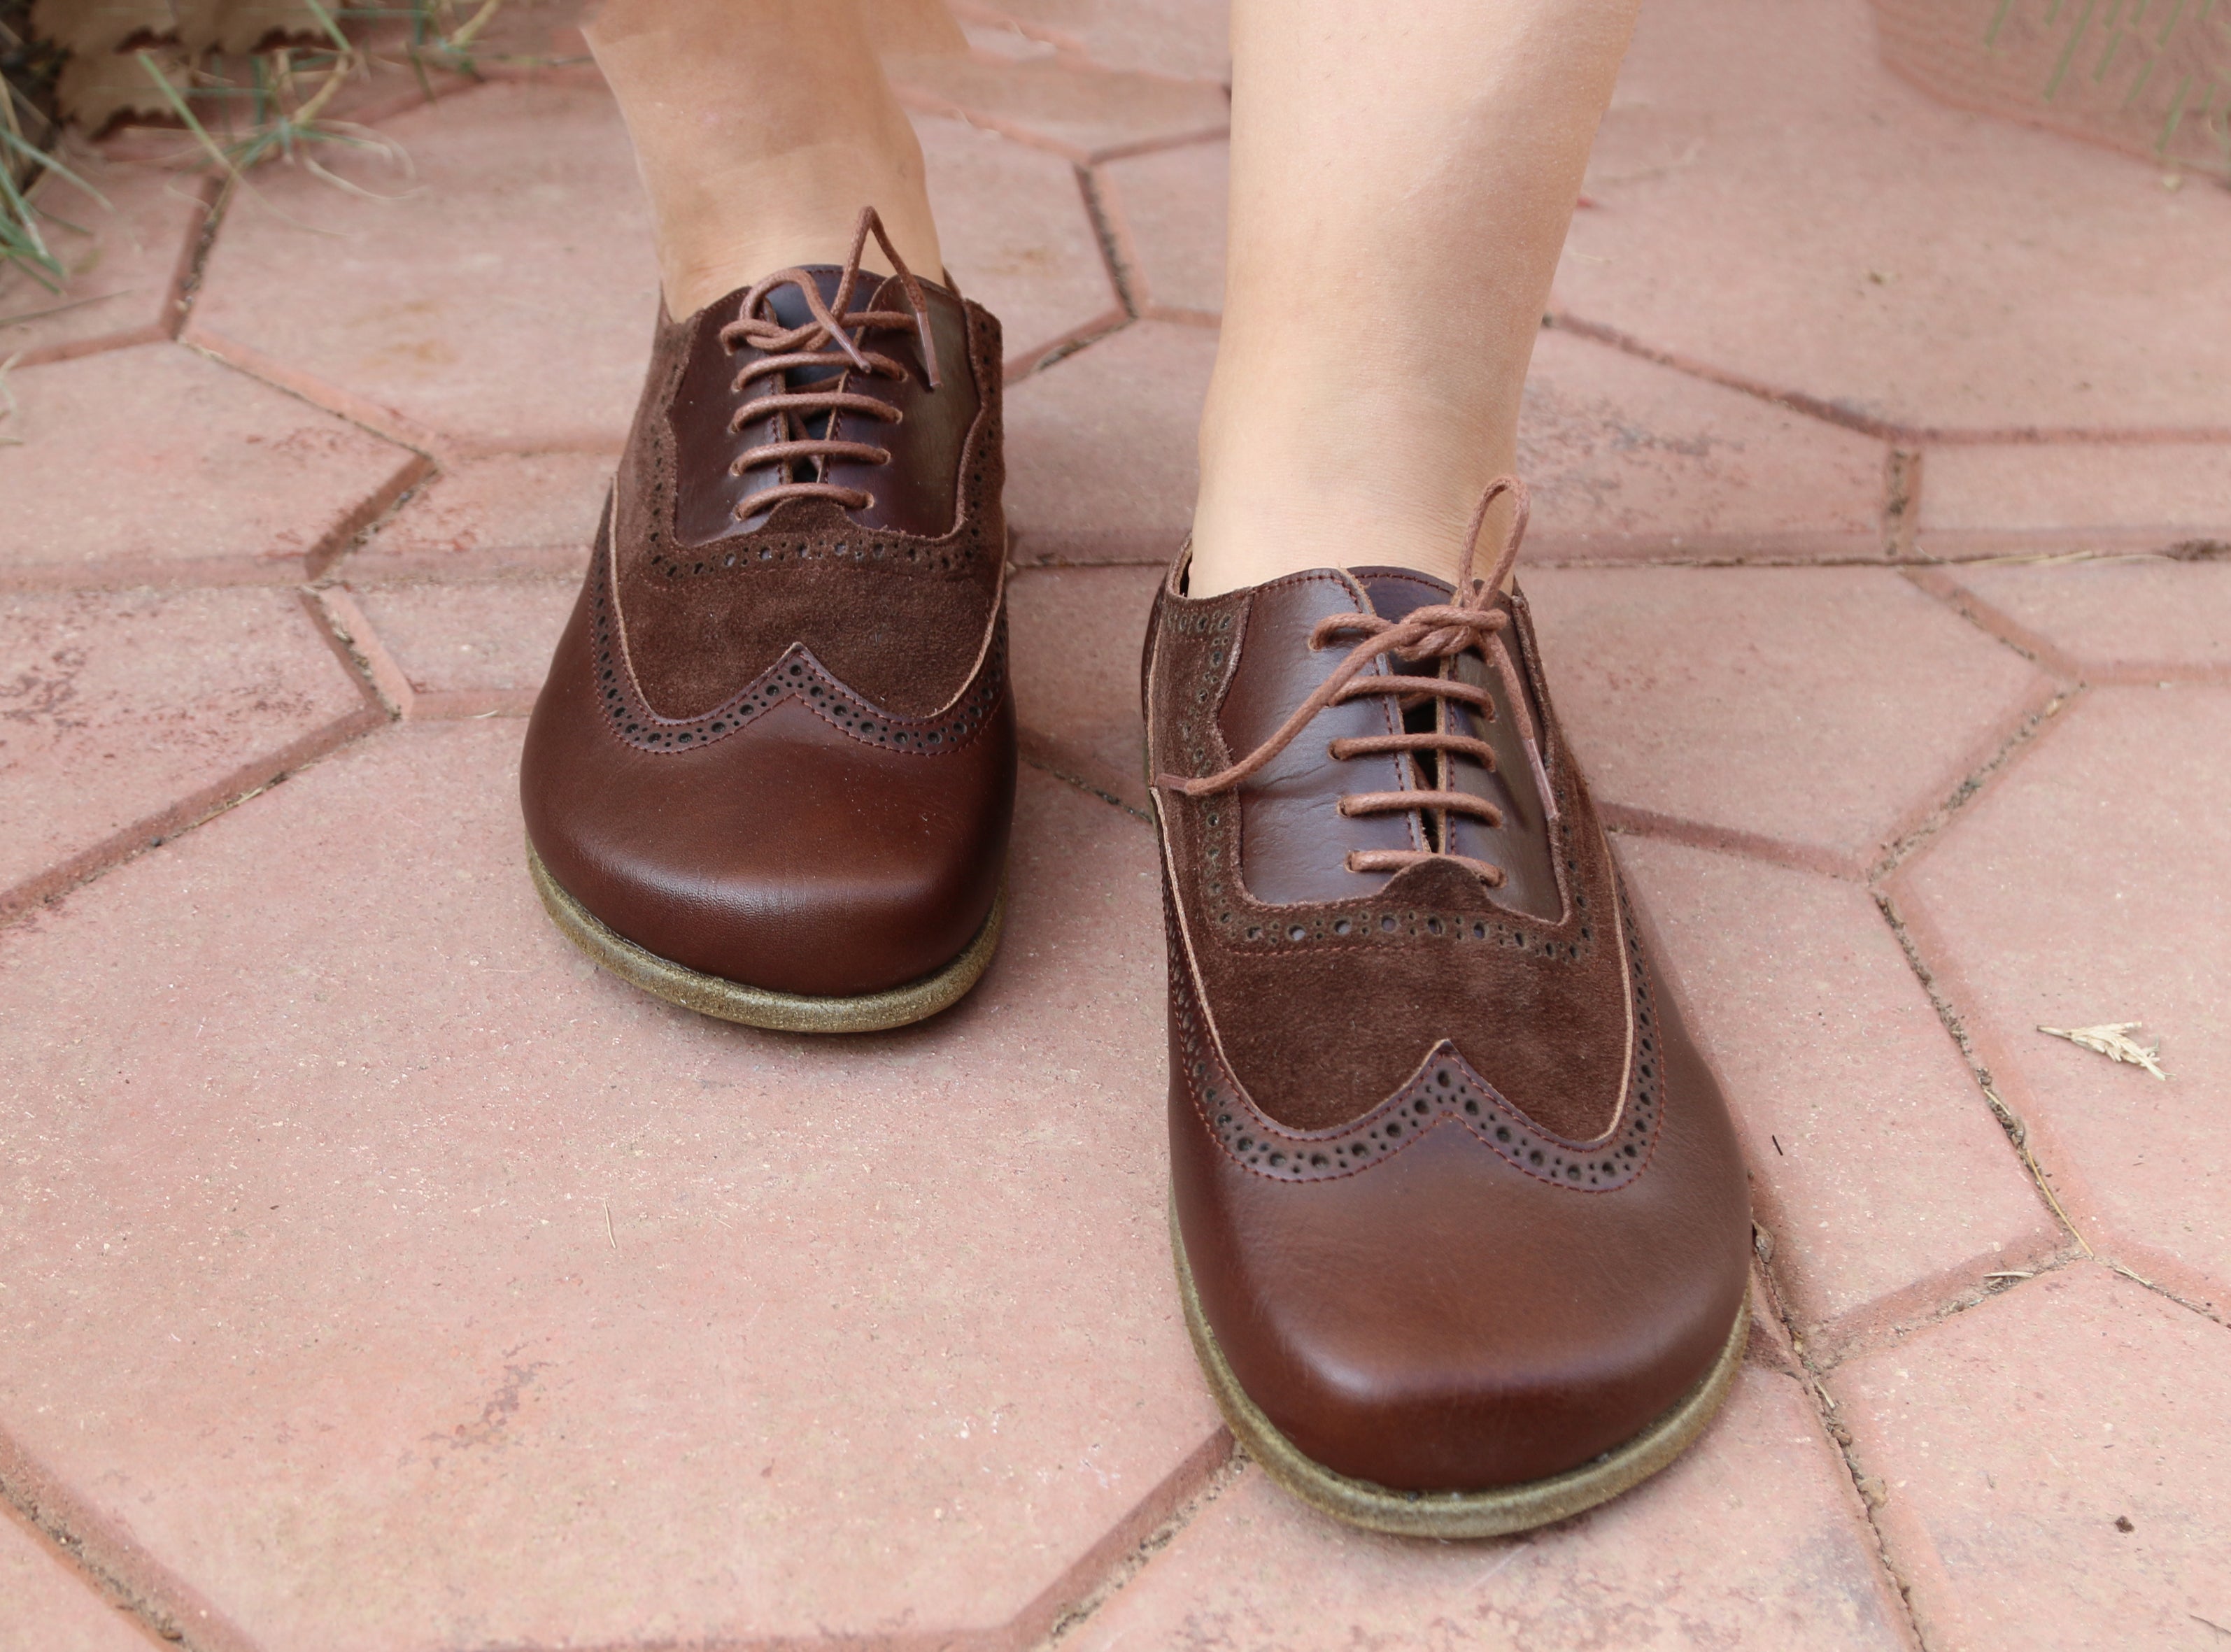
{"x": 771, "y": 775}
{"x": 1460, "y": 1219}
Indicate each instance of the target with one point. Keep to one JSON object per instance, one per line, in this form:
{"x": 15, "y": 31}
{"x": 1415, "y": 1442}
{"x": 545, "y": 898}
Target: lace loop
{"x": 1436, "y": 631}
{"x": 830, "y": 338}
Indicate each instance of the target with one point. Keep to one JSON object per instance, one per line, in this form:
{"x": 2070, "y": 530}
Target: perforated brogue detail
{"x": 1211, "y": 635}
{"x": 796, "y": 675}
{"x": 1445, "y": 1089}
{"x": 971, "y": 545}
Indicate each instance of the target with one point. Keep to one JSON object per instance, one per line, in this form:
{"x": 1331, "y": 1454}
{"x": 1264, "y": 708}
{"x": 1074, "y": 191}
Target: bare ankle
{"x": 760, "y": 138}
{"x": 1243, "y": 535}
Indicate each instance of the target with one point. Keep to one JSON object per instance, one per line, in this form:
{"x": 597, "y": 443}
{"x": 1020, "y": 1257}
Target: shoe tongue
{"x": 1521, "y": 845}
{"x": 788, "y": 305}
{"x": 1392, "y": 592}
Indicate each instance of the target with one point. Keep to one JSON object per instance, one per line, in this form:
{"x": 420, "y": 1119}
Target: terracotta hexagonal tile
{"x": 410, "y": 1284}
{"x": 1755, "y": 1539}
{"x": 2029, "y": 498}
{"x": 125, "y": 715}
{"x": 1073, "y": 110}
{"x": 1875, "y": 1164}
{"x": 1016, "y": 234}
{"x": 1077, "y": 635}
{"x": 467, "y": 649}
{"x": 1170, "y": 203}
{"x": 1189, "y": 38}
{"x": 1101, "y": 460}
{"x": 2087, "y": 887}
{"x": 1629, "y": 459}
{"x": 1773, "y": 201}
{"x": 501, "y": 295}
{"x": 157, "y": 464}
{"x": 1812, "y": 713}
{"x": 46, "y": 1607}
{"x": 506, "y": 515}
{"x": 2116, "y": 619}
{"x": 2054, "y": 1469}
{"x": 125, "y": 253}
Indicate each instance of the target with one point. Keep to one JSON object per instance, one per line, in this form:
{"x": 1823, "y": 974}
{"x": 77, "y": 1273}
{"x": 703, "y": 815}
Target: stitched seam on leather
{"x": 1224, "y": 819}
{"x": 796, "y": 674}
{"x": 1189, "y": 1014}
{"x": 1644, "y": 1116}
{"x": 1642, "y": 1113}
{"x": 1276, "y": 923}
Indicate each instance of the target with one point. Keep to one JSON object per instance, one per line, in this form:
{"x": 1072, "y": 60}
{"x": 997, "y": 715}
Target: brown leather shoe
{"x": 772, "y": 773}
{"x": 1461, "y": 1224}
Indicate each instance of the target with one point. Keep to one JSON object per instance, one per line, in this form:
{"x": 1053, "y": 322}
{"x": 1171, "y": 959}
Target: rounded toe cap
{"x": 785, "y": 857}
{"x": 1443, "y": 1323}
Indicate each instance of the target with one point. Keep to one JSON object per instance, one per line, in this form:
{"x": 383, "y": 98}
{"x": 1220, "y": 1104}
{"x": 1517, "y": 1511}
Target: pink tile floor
{"x": 375, "y": 1276}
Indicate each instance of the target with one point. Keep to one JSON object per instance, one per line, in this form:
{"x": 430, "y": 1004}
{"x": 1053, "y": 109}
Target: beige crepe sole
{"x": 710, "y": 995}
{"x": 1454, "y": 1513}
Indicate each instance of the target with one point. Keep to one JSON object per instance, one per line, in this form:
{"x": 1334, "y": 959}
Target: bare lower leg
{"x": 762, "y": 128}
{"x": 1401, "y": 181}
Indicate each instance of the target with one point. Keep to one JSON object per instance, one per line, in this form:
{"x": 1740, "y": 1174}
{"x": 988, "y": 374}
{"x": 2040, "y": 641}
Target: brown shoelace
{"x": 832, "y": 337}
{"x": 1440, "y": 632}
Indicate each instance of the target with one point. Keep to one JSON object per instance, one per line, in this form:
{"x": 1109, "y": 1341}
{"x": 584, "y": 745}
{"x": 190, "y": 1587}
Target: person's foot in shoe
{"x": 772, "y": 772}
{"x": 1460, "y": 1221}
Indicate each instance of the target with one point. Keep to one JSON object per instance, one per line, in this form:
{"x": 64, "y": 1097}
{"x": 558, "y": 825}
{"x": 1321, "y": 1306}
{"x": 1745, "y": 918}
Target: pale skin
{"x": 1401, "y": 182}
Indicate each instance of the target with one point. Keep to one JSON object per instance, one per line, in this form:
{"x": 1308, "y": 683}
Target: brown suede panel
{"x": 900, "y": 617}
{"x": 1324, "y": 1009}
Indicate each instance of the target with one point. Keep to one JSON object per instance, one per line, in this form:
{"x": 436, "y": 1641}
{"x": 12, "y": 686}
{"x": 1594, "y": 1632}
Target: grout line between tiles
{"x": 13, "y": 1517}
{"x": 1824, "y": 1404}
{"x": 1866, "y": 424}
{"x": 111, "y": 1562}
{"x": 197, "y": 809}
{"x": 375, "y": 508}
{"x": 1828, "y": 1352}
{"x": 1955, "y": 1024}
{"x": 1904, "y": 472}
{"x": 1086, "y": 787}
{"x": 1231, "y": 1463}
{"x": 366, "y": 416}
{"x": 194, "y": 256}
{"x": 1041, "y": 356}
{"x": 2024, "y": 736}
{"x": 1625, "y": 820}
{"x": 329, "y": 567}
{"x": 1119, "y": 256}
{"x": 1933, "y": 581}
{"x": 349, "y": 632}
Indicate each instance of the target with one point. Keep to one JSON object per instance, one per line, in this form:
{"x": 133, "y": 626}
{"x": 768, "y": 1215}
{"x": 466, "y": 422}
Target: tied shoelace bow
{"x": 830, "y": 338}
{"x": 1438, "y": 632}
